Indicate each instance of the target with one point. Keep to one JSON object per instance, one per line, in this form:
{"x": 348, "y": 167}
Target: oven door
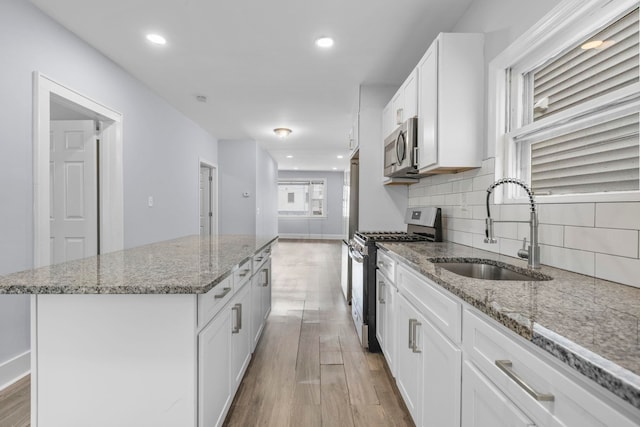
{"x": 357, "y": 291}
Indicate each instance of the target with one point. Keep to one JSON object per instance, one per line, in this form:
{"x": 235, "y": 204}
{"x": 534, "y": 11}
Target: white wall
{"x": 600, "y": 239}
{"x": 380, "y": 207}
{"x": 244, "y": 167}
{"x": 161, "y": 148}
{"x": 329, "y": 227}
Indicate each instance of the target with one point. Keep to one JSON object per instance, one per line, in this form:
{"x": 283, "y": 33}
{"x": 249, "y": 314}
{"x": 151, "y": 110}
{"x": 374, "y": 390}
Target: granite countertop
{"x": 591, "y": 324}
{"x": 187, "y": 265}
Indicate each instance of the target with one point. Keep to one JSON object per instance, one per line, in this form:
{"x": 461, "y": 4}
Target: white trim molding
{"x": 14, "y": 369}
{"x": 111, "y": 167}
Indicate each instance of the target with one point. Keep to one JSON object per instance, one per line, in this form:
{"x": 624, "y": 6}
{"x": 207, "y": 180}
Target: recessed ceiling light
{"x": 282, "y": 132}
{"x": 335, "y": 169}
{"x": 295, "y": 168}
{"x": 324, "y": 42}
{"x": 289, "y": 156}
{"x": 340, "y": 156}
{"x": 156, "y": 39}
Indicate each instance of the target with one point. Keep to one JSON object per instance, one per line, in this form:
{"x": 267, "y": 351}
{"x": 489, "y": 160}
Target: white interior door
{"x": 206, "y": 208}
{"x": 73, "y": 190}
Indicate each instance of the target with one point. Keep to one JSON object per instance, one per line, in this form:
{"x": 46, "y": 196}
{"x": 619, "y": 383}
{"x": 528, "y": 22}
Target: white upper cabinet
{"x": 450, "y": 104}
{"x": 404, "y": 103}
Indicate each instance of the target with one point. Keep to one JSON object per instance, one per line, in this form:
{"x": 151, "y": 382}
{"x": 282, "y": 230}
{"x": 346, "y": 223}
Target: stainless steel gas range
{"x": 424, "y": 224}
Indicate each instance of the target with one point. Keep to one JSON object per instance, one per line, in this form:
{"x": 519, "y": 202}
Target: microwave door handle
{"x": 415, "y": 157}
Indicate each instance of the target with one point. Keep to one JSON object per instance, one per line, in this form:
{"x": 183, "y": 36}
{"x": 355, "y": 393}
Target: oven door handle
{"x": 355, "y": 255}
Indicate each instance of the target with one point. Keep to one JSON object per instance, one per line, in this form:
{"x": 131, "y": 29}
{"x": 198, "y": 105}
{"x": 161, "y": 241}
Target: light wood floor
{"x": 15, "y": 404}
{"x": 308, "y": 369}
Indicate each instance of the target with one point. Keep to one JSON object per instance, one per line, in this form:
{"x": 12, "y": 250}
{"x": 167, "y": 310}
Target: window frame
{"x": 308, "y": 181}
{"x": 567, "y": 24}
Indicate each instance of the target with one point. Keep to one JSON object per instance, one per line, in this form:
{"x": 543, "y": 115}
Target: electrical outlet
{"x": 150, "y": 201}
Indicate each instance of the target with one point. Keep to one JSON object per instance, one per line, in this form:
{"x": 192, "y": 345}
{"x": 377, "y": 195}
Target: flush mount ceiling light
{"x": 282, "y": 133}
{"x": 593, "y": 44}
{"x": 156, "y": 39}
{"x": 324, "y": 42}
{"x": 340, "y": 156}
{"x": 335, "y": 169}
{"x": 289, "y": 156}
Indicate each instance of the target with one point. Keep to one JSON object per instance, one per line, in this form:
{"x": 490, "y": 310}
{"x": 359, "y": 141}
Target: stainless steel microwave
{"x": 401, "y": 151}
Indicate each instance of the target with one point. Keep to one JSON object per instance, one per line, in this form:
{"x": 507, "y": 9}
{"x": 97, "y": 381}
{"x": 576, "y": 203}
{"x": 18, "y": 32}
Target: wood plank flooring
{"x": 309, "y": 369}
{"x": 15, "y": 404}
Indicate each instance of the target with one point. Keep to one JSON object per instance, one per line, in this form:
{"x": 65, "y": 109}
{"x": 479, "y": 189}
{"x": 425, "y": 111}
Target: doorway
{"x": 208, "y": 188}
{"x": 78, "y": 181}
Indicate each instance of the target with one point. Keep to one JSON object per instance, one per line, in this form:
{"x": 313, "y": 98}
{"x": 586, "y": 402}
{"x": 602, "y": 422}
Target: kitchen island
{"x": 582, "y": 327}
{"x": 118, "y": 339}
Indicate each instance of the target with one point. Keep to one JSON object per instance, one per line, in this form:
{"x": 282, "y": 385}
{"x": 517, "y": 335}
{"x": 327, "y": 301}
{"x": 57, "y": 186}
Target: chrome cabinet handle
{"x": 411, "y": 343}
{"x": 380, "y": 291}
{"x": 380, "y": 263}
{"x": 266, "y": 277}
{"x": 235, "y": 327}
{"x": 224, "y": 293}
{"x": 259, "y": 259}
{"x": 239, "y": 314}
{"x": 245, "y": 272}
{"x": 506, "y": 366}
{"x": 415, "y": 334}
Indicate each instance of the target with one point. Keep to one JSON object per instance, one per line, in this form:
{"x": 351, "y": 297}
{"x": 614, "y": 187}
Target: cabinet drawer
{"x": 488, "y": 346}
{"x": 242, "y": 274}
{"x": 444, "y": 311}
{"x": 386, "y": 265}
{"x": 260, "y": 258}
{"x": 210, "y": 303}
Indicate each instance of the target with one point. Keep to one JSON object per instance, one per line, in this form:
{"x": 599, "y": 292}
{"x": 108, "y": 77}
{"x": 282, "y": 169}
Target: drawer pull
{"x": 415, "y": 348}
{"x": 223, "y": 294}
{"x": 506, "y": 366}
{"x": 245, "y": 272}
{"x": 259, "y": 259}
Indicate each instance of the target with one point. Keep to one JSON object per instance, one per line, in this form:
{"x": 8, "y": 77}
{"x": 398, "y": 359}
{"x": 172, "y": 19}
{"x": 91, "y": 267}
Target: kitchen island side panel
{"x": 114, "y": 360}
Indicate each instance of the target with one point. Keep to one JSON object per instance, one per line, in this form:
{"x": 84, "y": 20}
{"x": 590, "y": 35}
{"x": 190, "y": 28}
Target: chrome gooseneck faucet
{"x": 532, "y": 253}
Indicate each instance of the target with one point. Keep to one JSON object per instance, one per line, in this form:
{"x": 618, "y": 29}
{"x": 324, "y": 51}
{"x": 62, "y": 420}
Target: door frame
{"x": 213, "y": 197}
{"x": 110, "y": 178}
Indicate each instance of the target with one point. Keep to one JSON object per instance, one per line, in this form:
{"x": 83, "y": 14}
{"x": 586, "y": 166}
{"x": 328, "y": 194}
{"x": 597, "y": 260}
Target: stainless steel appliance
{"x": 424, "y": 224}
{"x": 401, "y": 151}
{"x": 352, "y": 214}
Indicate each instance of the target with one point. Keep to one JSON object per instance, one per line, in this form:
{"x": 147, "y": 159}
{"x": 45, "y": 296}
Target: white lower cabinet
{"x": 381, "y": 321}
{"x": 483, "y": 405}
{"x": 455, "y": 366}
{"x": 260, "y": 301}
{"x": 240, "y": 335}
{"x": 409, "y": 366}
{"x": 214, "y": 370}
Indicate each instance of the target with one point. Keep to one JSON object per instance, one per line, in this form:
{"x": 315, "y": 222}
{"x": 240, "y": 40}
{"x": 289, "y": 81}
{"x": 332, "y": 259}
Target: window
{"x": 571, "y": 104}
{"x": 301, "y": 198}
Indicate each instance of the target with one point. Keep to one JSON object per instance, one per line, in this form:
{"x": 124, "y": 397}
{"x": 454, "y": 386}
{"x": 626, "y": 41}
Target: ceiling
{"x": 257, "y": 64}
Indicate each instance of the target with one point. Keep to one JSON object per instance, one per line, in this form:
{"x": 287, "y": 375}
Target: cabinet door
{"x": 397, "y": 108}
{"x": 410, "y": 94}
{"x": 257, "y": 319}
{"x": 388, "y": 120}
{"x": 428, "y": 108}
{"x": 214, "y": 369}
{"x": 381, "y": 321}
{"x": 266, "y": 291}
{"x": 390, "y": 329}
{"x": 409, "y": 375}
{"x": 484, "y": 405}
{"x": 442, "y": 378}
{"x": 240, "y": 309}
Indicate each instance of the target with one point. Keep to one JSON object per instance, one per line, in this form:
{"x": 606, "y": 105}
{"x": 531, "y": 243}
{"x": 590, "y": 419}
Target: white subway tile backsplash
{"x": 618, "y": 269}
{"x": 514, "y": 212}
{"x": 618, "y": 215}
{"x": 460, "y": 237}
{"x": 508, "y": 230}
{"x": 509, "y": 247}
{"x": 452, "y": 199}
{"x": 477, "y": 198}
{"x": 602, "y": 240}
{"x": 549, "y": 234}
{"x": 481, "y": 183}
{"x": 568, "y": 259}
{"x": 577, "y": 214}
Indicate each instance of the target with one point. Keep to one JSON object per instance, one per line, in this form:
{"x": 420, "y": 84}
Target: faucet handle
{"x": 524, "y": 252}
{"x": 524, "y": 243}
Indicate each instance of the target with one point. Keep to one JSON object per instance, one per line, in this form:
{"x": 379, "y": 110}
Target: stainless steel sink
{"x": 489, "y": 271}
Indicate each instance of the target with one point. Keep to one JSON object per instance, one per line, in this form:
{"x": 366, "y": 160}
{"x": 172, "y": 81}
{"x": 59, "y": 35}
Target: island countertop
{"x": 589, "y": 323}
{"x": 186, "y": 265}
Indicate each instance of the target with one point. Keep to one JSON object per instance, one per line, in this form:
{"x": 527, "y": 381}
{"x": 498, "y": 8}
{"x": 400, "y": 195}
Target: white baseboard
{"x": 14, "y": 369}
{"x": 311, "y": 236}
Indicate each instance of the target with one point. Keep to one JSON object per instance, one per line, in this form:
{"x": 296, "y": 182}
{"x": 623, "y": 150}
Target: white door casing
{"x": 110, "y": 168}
{"x": 208, "y": 198}
{"x": 74, "y": 185}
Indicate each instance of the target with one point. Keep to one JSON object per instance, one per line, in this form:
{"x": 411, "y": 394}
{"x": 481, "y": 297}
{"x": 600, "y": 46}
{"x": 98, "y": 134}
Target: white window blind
{"x": 584, "y": 73}
{"x": 598, "y": 158}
